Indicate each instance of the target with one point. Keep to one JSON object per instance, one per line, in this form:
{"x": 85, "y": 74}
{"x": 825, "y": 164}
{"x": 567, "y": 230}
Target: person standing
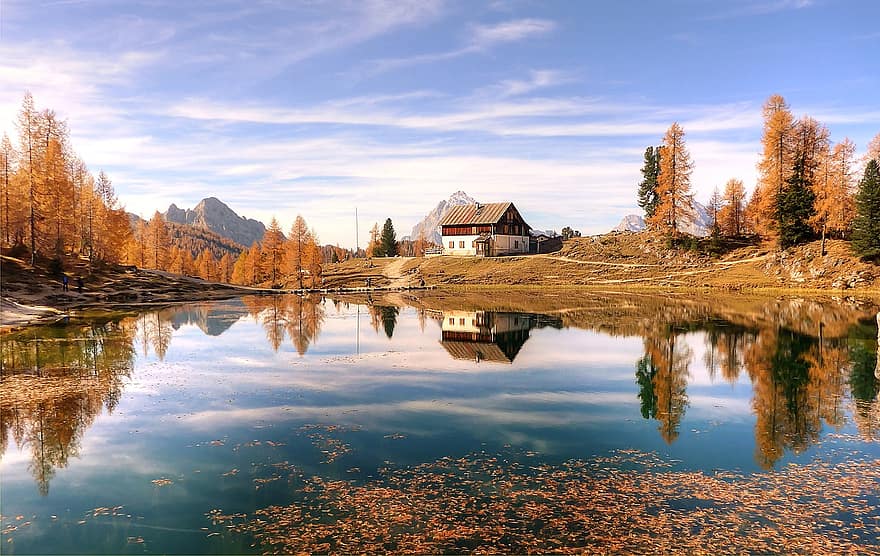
{"x": 64, "y": 282}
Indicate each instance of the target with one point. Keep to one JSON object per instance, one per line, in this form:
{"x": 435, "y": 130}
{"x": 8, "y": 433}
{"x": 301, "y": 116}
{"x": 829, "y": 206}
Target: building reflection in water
{"x": 487, "y": 335}
{"x": 55, "y": 381}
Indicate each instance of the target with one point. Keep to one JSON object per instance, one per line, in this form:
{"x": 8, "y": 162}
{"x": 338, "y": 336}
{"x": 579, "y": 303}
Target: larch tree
{"x": 673, "y": 183}
{"x": 866, "y": 227}
{"x": 273, "y": 250}
{"x": 648, "y": 186}
{"x": 733, "y": 214}
{"x": 138, "y": 250}
{"x": 206, "y": 265}
{"x": 240, "y": 269}
{"x": 373, "y": 247}
{"x": 298, "y": 249}
{"x": 224, "y": 268}
{"x": 811, "y": 146}
{"x": 833, "y": 186}
{"x": 8, "y": 159}
{"x": 775, "y": 165}
{"x": 715, "y": 206}
{"x": 388, "y": 240}
{"x": 420, "y": 244}
{"x": 83, "y": 185}
{"x": 304, "y": 255}
{"x": 158, "y": 242}
{"x": 59, "y": 206}
{"x": 28, "y": 132}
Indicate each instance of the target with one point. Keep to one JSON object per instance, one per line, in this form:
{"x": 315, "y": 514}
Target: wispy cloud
{"x": 750, "y": 8}
{"x": 481, "y": 38}
{"x": 487, "y": 36}
{"x": 538, "y": 79}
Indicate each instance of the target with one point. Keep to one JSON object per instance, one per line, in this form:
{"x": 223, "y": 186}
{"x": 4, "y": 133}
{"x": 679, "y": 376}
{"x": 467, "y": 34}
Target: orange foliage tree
{"x": 775, "y": 165}
{"x": 732, "y": 215}
{"x": 674, "y": 183}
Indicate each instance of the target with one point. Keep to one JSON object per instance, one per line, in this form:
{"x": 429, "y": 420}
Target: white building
{"x": 484, "y": 230}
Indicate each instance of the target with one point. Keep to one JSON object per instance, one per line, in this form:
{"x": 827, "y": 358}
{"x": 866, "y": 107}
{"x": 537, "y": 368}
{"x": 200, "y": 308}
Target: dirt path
{"x": 394, "y": 272}
{"x": 599, "y": 263}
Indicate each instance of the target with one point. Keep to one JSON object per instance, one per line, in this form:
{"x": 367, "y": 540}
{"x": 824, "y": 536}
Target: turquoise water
{"x": 122, "y": 434}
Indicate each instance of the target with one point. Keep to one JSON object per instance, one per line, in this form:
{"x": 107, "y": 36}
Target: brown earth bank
{"x": 631, "y": 260}
{"x": 34, "y": 294}
{"x": 618, "y": 261}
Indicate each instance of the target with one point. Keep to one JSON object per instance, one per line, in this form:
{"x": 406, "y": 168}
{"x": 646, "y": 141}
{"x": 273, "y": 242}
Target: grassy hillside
{"x": 627, "y": 259}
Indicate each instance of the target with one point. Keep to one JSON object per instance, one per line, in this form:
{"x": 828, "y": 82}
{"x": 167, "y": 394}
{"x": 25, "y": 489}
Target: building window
{"x": 461, "y": 245}
{"x": 461, "y": 322}
{"x": 516, "y": 244}
{"x": 451, "y": 321}
{"x": 451, "y": 244}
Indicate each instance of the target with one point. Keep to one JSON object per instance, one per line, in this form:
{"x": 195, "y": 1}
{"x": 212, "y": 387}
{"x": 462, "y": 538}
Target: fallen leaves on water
{"x": 332, "y": 448}
{"x": 629, "y": 502}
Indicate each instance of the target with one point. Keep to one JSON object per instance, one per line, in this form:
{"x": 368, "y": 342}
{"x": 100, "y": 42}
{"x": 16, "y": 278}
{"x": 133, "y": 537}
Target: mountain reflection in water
{"x": 805, "y": 360}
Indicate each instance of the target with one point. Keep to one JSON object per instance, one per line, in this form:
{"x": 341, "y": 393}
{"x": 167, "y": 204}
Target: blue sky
{"x": 317, "y": 107}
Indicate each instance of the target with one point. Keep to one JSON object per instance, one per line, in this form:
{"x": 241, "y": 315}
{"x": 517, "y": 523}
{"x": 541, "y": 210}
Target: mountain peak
{"x": 696, "y": 223}
{"x": 428, "y": 225}
{"x": 213, "y": 214}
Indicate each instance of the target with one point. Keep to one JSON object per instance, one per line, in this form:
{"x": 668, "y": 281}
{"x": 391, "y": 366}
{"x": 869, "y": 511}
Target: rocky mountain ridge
{"x": 431, "y": 221}
{"x": 698, "y": 223}
{"x": 214, "y": 215}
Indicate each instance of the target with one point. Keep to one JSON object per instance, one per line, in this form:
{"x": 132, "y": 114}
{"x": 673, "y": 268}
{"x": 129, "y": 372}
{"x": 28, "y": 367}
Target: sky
{"x": 318, "y": 108}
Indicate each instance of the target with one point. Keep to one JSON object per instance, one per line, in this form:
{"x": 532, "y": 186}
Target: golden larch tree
{"x": 303, "y": 255}
{"x": 273, "y": 250}
{"x": 8, "y": 160}
{"x": 833, "y": 186}
{"x": 206, "y": 266}
{"x": 420, "y": 244}
{"x": 732, "y": 215}
{"x": 775, "y": 165}
{"x": 158, "y": 242}
{"x": 674, "y": 183}
{"x": 28, "y": 133}
{"x": 373, "y": 246}
{"x": 59, "y": 197}
{"x": 240, "y": 273}
{"x": 224, "y": 268}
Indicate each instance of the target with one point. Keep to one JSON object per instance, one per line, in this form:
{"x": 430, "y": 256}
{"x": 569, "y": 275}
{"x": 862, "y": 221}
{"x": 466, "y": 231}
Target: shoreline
{"x": 17, "y": 315}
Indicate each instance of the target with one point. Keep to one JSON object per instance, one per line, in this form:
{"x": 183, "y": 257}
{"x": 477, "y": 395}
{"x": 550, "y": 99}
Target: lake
{"x": 515, "y": 422}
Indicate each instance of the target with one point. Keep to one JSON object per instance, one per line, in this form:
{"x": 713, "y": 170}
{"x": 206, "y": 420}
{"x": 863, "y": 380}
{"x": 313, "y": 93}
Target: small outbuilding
{"x": 541, "y": 241}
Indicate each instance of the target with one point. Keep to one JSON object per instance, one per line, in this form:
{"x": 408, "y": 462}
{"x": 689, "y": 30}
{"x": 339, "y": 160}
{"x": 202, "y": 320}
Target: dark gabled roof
{"x": 489, "y": 213}
{"x": 476, "y": 351}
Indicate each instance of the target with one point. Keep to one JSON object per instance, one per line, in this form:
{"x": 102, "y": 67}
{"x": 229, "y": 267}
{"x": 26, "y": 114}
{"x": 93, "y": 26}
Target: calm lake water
{"x": 166, "y": 431}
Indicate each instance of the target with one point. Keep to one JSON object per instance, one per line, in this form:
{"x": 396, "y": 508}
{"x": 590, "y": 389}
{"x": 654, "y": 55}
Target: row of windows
{"x": 461, "y": 244}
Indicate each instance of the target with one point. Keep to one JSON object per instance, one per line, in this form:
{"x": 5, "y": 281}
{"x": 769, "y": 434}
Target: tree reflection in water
{"x": 55, "y": 382}
{"x": 799, "y": 381}
{"x": 802, "y": 368}
{"x": 297, "y": 317}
